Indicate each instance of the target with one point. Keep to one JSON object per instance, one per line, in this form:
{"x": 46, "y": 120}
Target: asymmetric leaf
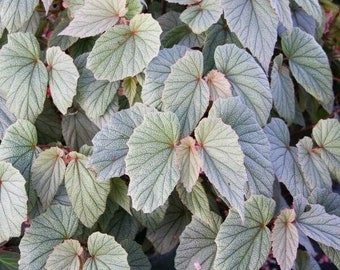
{"x": 326, "y": 134}
{"x": 197, "y": 244}
{"x": 309, "y": 65}
{"x": 222, "y": 160}
{"x": 105, "y": 253}
{"x": 88, "y": 197}
{"x": 65, "y": 256}
{"x": 134, "y": 7}
{"x": 157, "y": 72}
{"x": 63, "y": 76}
{"x": 245, "y": 245}
{"x": 48, "y": 172}
{"x": 185, "y": 92}
{"x": 283, "y": 90}
{"x": 283, "y": 10}
{"x": 129, "y": 86}
{"x": 14, "y": 13}
{"x": 110, "y": 147}
{"x": 46, "y": 231}
{"x": 152, "y": 147}
{"x": 189, "y": 162}
{"x": 111, "y": 56}
{"x": 95, "y": 17}
{"x": 327, "y": 199}
{"x": 246, "y": 78}
{"x": 255, "y": 24}
{"x": 13, "y": 201}
{"x": 285, "y": 239}
{"x": 218, "y": 84}
{"x": 285, "y": 158}
{"x": 18, "y": 146}
{"x": 6, "y": 118}
{"x": 313, "y": 8}
{"x": 136, "y": 258}
{"x": 313, "y": 167}
{"x": 26, "y": 81}
{"x": 200, "y": 17}
{"x": 253, "y": 142}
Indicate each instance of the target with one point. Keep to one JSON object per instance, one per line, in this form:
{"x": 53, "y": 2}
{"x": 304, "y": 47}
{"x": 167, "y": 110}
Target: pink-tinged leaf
{"x": 218, "y": 84}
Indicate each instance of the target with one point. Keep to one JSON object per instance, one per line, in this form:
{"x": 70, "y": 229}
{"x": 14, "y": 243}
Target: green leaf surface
{"x": 26, "y": 81}
{"x": 78, "y": 129}
{"x": 253, "y": 142}
{"x": 32, "y": 25}
{"x": 152, "y": 146}
{"x": 305, "y": 261}
{"x": 309, "y": 65}
{"x": 189, "y": 162}
{"x": 134, "y": 7}
{"x": 332, "y": 253}
{"x": 87, "y": 196}
{"x": 9, "y": 260}
{"x": 327, "y": 199}
{"x": 247, "y": 79}
{"x": 245, "y": 244}
{"x": 312, "y": 8}
{"x": 110, "y": 56}
{"x": 119, "y": 191}
{"x": 282, "y": 88}
{"x": 63, "y": 76}
{"x": 185, "y": 92}
{"x": 255, "y": 24}
{"x": 110, "y": 148}
{"x": 156, "y": 74}
{"x": 326, "y": 134}
{"x": 14, "y": 13}
{"x": 283, "y": 10}
{"x": 94, "y": 96}
{"x": 200, "y": 17}
{"x": 47, "y": 174}
{"x": 95, "y": 17}
{"x": 218, "y": 84}
{"x": 18, "y": 146}
{"x": 285, "y": 158}
{"x": 166, "y": 236}
{"x": 46, "y": 231}
{"x": 152, "y": 220}
{"x": 222, "y": 159}
{"x": 13, "y": 201}
{"x": 136, "y": 258}
{"x": 197, "y": 244}
{"x": 6, "y": 117}
{"x": 313, "y": 167}
{"x": 65, "y": 256}
{"x": 106, "y": 253}
{"x": 129, "y": 86}
{"x": 285, "y": 239}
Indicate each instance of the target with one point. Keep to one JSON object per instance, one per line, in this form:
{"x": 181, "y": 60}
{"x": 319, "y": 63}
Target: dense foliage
{"x": 205, "y": 131}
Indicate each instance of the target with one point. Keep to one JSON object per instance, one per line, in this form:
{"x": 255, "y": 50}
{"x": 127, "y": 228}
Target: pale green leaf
{"x": 134, "y": 7}
{"x": 130, "y": 88}
{"x": 94, "y": 96}
{"x": 285, "y": 158}
{"x": 77, "y": 129}
{"x": 283, "y": 10}
{"x": 312, "y": 8}
{"x": 87, "y": 196}
{"x": 111, "y": 54}
{"x": 65, "y": 256}
{"x": 136, "y": 258}
{"x": 185, "y": 92}
{"x": 253, "y": 142}
{"x": 282, "y": 88}
{"x": 218, "y": 84}
{"x": 305, "y": 261}
{"x": 47, "y": 4}
{"x": 14, "y": 13}
{"x": 86, "y": 150}
{"x": 152, "y": 220}
{"x": 309, "y": 65}
{"x": 110, "y": 147}
{"x": 18, "y": 146}
{"x": 222, "y": 160}
{"x": 109, "y": 213}
{"x": 326, "y": 134}
{"x": 48, "y": 230}
{"x": 189, "y": 162}
{"x": 313, "y": 167}
{"x": 197, "y": 244}
{"x": 95, "y": 17}
{"x": 152, "y": 146}
{"x": 73, "y": 5}
{"x": 111, "y": 110}
{"x": 26, "y": 81}
{"x": 47, "y": 174}
{"x": 106, "y": 253}
{"x": 247, "y": 79}
{"x": 6, "y": 117}
{"x": 200, "y": 17}
{"x": 9, "y": 260}
{"x": 63, "y": 76}
{"x": 13, "y": 201}
{"x": 327, "y": 199}
{"x": 285, "y": 239}
{"x": 119, "y": 192}
{"x": 166, "y": 236}
{"x": 32, "y": 24}
{"x": 156, "y": 74}
{"x": 255, "y": 24}
{"x": 245, "y": 245}
{"x": 332, "y": 253}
